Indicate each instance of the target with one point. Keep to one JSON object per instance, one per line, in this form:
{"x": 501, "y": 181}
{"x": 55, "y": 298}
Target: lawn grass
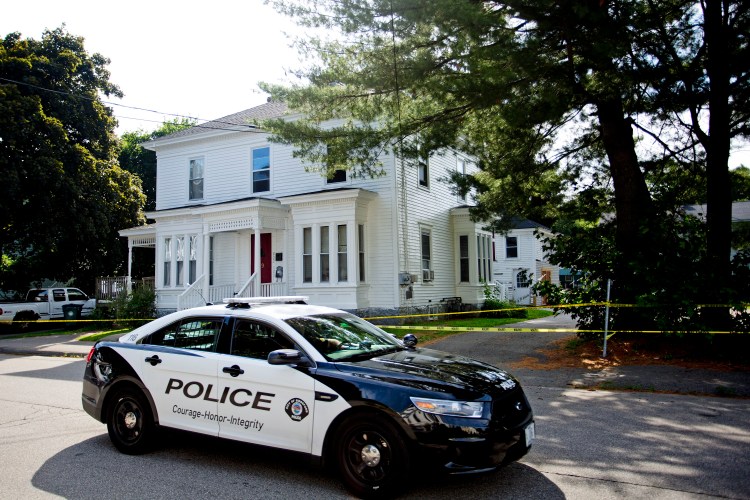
{"x": 89, "y": 333}
{"x": 92, "y": 333}
{"x": 465, "y": 322}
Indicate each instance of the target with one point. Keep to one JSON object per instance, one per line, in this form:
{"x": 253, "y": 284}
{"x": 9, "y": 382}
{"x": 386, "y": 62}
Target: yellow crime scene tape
{"x": 462, "y": 328}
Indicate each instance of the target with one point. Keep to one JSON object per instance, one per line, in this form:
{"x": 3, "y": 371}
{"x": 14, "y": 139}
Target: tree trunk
{"x": 632, "y": 201}
{"x": 719, "y": 213}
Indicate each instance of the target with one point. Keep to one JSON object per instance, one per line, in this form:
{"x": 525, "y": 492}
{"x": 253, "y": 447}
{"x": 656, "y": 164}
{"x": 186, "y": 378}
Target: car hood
{"x": 430, "y": 369}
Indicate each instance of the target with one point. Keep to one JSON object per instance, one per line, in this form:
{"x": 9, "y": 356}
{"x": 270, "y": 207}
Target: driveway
{"x": 518, "y": 351}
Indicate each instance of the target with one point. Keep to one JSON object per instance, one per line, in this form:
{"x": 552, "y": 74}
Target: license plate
{"x": 529, "y": 433}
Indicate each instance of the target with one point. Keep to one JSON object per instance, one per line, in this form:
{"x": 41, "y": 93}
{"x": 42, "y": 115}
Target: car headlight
{"x": 468, "y": 409}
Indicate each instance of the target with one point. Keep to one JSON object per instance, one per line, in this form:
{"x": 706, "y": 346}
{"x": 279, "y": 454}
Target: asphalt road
{"x": 590, "y": 445}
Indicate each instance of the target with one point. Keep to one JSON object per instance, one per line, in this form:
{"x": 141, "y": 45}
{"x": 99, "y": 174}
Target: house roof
{"x": 521, "y": 223}
{"x": 740, "y": 211}
{"x": 241, "y": 121}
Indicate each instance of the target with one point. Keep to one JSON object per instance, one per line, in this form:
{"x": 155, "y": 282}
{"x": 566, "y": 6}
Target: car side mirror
{"x": 287, "y": 357}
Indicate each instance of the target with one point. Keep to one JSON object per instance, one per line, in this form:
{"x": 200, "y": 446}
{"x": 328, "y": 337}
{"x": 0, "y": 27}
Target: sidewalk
{"x": 49, "y": 345}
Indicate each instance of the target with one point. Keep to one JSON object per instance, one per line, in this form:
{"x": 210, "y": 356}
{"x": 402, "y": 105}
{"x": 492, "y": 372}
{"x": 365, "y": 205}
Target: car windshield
{"x": 344, "y": 337}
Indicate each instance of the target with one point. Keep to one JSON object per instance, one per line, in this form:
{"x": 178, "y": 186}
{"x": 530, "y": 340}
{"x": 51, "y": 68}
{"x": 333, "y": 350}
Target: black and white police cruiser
{"x": 279, "y": 372}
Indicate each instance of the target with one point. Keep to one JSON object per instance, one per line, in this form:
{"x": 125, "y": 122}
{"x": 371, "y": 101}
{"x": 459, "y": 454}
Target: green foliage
{"x": 496, "y": 308}
{"x": 142, "y": 162}
{"x": 140, "y": 304}
{"x": 493, "y": 308}
{"x": 63, "y": 196}
{"x": 607, "y": 102}
{"x": 668, "y": 280}
{"x": 547, "y": 98}
{"x": 740, "y": 181}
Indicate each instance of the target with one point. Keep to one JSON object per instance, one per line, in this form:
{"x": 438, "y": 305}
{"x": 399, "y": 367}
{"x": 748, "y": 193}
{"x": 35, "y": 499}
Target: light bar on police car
{"x": 284, "y": 299}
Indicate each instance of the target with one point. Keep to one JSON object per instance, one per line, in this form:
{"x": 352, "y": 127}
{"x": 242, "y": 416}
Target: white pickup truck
{"x": 44, "y": 304}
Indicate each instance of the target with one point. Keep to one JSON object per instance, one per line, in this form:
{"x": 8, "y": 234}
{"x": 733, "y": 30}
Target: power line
{"x": 252, "y": 128}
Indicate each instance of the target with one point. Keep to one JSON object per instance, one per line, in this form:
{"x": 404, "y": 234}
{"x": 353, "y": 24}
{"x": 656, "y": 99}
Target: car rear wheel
{"x": 129, "y": 422}
{"x": 371, "y": 456}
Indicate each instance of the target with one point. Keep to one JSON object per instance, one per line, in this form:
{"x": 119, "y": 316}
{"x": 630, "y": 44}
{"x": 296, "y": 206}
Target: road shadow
{"x": 68, "y": 371}
{"x": 186, "y": 465}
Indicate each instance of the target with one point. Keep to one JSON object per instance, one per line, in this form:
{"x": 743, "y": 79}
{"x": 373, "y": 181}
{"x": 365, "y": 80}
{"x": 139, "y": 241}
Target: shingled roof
{"x": 265, "y": 111}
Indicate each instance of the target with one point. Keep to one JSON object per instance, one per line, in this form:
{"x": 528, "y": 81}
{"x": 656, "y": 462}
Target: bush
{"x": 500, "y": 309}
{"x": 139, "y": 304}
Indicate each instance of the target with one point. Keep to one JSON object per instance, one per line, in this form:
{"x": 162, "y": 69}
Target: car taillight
{"x": 91, "y": 354}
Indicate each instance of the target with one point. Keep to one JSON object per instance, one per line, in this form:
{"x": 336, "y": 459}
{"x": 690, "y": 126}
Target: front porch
{"x": 197, "y": 294}
{"x": 205, "y": 254}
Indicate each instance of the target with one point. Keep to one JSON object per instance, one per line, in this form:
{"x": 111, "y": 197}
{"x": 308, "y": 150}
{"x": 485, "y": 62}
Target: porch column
{"x": 256, "y": 259}
{"x": 130, "y": 266}
{"x": 206, "y": 266}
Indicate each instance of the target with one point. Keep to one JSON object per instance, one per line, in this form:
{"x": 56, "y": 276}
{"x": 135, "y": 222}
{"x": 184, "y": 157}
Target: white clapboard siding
{"x": 393, "y": 221}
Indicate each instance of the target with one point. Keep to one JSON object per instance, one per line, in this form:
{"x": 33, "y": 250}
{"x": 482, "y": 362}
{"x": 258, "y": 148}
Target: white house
{"x": 237, "y": 215}
{"x": 520, "y": 261}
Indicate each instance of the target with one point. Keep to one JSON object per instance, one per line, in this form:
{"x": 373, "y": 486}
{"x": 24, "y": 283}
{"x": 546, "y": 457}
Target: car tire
{"x": 371, "y": 456}
{"x": 129, "y": 422}
{"x": 21, "y": 323}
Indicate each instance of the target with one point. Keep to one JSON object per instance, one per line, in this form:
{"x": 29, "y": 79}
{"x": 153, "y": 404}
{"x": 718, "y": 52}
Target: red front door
{"x": 266, "y": 262}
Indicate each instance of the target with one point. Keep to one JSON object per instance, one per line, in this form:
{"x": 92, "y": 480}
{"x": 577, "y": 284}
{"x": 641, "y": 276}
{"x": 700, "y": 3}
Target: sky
{"x": 197, "y": 59}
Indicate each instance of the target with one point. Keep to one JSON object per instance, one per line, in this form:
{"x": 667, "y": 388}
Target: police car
{"x": 317, "y": 380}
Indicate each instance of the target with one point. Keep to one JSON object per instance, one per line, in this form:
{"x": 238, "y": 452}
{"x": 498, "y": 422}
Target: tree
{"x": 593, "y": 92}
{"x": 63, "y": 196}
{"x": 142, "y": 162}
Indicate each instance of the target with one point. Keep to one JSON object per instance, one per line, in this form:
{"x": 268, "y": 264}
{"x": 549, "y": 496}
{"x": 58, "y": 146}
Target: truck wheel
{"x": 129, "y": 422}
{"x": 371, "y": 456}
{"x": 22, "y": 321}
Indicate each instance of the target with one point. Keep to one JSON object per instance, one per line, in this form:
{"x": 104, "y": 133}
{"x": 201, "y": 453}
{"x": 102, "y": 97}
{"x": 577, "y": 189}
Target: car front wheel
{"x": 129, "y": 422}
{"x": 371, "y": 456}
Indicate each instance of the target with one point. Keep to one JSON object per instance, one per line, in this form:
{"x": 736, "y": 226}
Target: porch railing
{"x": 276, "y": 289}
{"x": 193, "y": 295}
{"x": 217, "y": 293}
{"x": 111, "y": 287}
{"x": 248, "y": 289}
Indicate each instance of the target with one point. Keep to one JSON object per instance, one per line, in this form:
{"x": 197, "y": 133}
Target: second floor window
{"x": 511, "y": 247}
{"x": 339, "y": 175}
{"x": 261, "y": 170}
{"x": 423, "y": 169}
{"x": 426, "y": 244}
{"x": 461, "y": 170}
{"x": 195, "y": 185}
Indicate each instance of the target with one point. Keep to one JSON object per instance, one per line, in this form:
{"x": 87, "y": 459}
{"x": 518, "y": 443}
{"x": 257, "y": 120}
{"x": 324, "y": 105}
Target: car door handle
{"x": 233, "y": 370}
{"x": 154, "y": 360}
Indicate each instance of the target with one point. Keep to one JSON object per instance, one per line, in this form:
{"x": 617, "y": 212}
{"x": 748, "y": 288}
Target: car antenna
{"x": 204, "y": 299}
